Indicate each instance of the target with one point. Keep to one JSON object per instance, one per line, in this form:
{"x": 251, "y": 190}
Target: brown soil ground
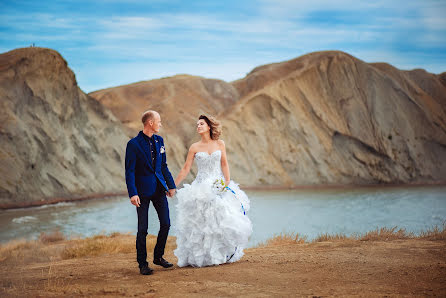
{"x": 408, "y": 267}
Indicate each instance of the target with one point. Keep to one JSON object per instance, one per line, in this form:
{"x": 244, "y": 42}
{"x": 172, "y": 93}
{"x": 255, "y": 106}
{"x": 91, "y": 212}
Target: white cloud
{"x": 433, "y": 16}
{"x": 38, "y": 20}
{"x": 130, "y": 24}
{"x": 226, "y": 45}
{"x": 293, "y": 8}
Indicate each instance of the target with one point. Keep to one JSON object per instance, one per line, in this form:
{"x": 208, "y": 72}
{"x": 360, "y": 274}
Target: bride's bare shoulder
{"x": 194, "y": 147}
{"x": 221, "y": 143}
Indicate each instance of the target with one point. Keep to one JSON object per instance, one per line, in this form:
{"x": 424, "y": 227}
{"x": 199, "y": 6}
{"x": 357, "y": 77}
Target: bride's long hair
{"x": 214, "y": 125}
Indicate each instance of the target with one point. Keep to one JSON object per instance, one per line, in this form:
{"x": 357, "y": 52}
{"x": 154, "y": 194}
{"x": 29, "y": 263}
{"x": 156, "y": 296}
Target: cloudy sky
{"x": 109, "y": 43}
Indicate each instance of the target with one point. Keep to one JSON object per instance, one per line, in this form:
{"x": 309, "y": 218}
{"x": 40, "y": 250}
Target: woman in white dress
{"x": 212, "y": 225}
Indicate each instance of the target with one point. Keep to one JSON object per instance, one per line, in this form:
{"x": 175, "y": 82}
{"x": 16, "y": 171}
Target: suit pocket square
{"x": 162, "y": 150}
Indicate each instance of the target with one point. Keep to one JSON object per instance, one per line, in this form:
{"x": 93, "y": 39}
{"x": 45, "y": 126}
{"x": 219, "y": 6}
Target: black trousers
{"x": 159, "y": 201}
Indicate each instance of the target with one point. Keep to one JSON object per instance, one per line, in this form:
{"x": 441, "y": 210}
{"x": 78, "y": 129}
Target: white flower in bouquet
{"x": 219, "y": 186}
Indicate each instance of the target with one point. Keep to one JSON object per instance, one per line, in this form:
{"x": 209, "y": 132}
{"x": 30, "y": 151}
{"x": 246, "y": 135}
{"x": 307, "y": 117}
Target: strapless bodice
{"x": 209, "y": 166}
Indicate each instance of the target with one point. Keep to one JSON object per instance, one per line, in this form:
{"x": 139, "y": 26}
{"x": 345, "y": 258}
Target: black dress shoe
{"x": 145, "y": 270}
{"x": 162, "y": 262}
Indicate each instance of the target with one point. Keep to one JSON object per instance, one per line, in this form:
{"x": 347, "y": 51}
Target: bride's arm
{"x": 186, "y": 168}
{"x": 224, "y": 162}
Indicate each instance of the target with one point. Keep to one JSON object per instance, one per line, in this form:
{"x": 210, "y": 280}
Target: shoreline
{"x": 340, "y": 186}
{"x": 55, "y": 200}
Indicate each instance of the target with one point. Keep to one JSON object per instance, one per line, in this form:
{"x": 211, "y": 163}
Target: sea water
{"x": 307, "y": 212}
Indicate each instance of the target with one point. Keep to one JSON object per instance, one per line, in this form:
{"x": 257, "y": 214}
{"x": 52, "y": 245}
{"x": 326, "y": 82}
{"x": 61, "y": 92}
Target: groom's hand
{"x": 135, "y": 200}
{"x": 171, "y": 192}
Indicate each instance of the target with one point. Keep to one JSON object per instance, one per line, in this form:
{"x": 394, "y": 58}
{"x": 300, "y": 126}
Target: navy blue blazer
{"x": 140, "y": 176}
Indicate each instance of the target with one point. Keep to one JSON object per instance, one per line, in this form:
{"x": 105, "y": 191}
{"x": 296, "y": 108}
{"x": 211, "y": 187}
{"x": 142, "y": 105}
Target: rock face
{"x": 338, "y": 120}
{"x": 323, "y": 118}
{"x": 55, "y": 141}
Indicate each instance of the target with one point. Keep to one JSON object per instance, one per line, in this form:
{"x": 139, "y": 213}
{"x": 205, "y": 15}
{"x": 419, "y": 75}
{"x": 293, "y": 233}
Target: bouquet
{"x": 219, "y": 186}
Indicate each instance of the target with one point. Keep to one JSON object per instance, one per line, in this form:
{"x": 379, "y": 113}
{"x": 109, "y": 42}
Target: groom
{"x": 149, "y": 180}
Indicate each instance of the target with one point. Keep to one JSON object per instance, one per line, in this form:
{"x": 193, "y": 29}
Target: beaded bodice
{"x": 209, "y": 166}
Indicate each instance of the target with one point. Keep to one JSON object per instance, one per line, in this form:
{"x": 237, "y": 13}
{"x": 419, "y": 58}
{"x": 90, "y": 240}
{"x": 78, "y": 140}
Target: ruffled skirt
{"x": 212, "y": 227}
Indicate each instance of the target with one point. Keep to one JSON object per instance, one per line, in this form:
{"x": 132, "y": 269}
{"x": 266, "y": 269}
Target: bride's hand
{"x": 171, "y": 192}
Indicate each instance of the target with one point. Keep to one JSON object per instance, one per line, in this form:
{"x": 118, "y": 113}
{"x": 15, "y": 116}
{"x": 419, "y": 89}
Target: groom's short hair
{"x": 147, "y": 115}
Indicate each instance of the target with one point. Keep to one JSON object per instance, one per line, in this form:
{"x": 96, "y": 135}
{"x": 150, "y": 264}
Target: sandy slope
{"x": 367, "y": 268}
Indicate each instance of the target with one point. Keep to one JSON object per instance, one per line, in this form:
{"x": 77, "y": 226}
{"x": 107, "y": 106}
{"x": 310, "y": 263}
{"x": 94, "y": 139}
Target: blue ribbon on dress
{"x": 243, "y": 208}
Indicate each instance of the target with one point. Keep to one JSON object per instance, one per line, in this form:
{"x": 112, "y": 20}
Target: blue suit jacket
{"x": 140, "y": 176}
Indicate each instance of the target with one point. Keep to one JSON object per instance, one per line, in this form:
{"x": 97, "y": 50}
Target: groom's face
{"x": 156, "y": 123}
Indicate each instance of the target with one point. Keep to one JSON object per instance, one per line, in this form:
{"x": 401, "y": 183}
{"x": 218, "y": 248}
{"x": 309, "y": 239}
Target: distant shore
{"x": 339, "y": 186}
{"x": 55, "y": 200}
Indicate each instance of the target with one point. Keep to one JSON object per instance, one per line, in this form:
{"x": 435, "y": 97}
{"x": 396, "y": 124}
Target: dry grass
{"x": 21, "y": 251}
{"x": 385, "y": 234}
{"x": 100, "y": 244}
{"x": 284, "y": 239}
{"x": 53, "y": 236}
{"x": 108, "y": 244}
{"x": 381, "y": 234}
{"x": 328, "y": 237}
{"x": 435, "y": 233}
{"x": 54, "y": 246}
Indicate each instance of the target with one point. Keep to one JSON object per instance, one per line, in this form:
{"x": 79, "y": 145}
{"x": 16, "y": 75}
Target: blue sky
{"x": 109, "y": 43}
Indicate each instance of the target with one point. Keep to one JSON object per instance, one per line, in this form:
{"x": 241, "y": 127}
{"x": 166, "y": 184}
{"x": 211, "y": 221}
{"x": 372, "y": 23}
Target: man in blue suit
{"x": 149, "y": 180}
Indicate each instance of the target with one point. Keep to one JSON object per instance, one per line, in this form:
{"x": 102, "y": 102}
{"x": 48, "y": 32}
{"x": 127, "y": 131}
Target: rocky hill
{"x": 55, "y": 141}
{"x": 323, "y": 118}
{"x": 320, "y": 119}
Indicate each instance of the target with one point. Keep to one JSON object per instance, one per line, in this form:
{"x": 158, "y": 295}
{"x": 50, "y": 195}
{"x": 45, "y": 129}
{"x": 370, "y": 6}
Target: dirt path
{"x": 371, "y": 268}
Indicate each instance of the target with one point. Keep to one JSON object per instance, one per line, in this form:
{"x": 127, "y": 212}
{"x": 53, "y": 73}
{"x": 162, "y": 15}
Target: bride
{"x": 212, "y": 226}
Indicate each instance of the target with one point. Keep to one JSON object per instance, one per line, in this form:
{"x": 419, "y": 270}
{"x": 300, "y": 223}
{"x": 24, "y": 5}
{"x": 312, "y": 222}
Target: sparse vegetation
{"x": 55, "y": 245}
{"x": 381, "y": 234}
{"x": 100, "y": 244}
{"x": 284, "y": 239}
{"x": 435, "y": 233}
{"x": 385, "y": 234}
{"x": 53, "y": 236}
{"x": 108, "y": 244}
{"x": 329, "y": 237}
{"x": 21, "y": 251}
{"x": 52, "y": 265}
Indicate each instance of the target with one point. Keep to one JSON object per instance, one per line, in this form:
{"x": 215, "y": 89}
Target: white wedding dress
{"x": 212, "y": 226}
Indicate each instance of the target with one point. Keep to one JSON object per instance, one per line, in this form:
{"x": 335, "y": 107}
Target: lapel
{"x": 144, "y": 147}
{"x": 157, "y": 146}
{"x": 157, "y": 150}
